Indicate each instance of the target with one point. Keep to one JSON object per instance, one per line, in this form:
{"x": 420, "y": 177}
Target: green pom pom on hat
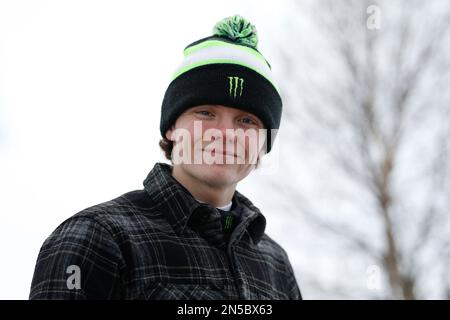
{"x": 237, "y": 29}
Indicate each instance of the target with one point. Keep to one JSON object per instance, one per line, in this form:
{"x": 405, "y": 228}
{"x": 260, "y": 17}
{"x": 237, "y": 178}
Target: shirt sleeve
{"x": 294, "y": 290}
{"x": 292, "y": 287}
{"x": 80, "y": 260}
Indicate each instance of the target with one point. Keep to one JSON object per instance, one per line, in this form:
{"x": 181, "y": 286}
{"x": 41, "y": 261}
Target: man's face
{"x": 219, "y": 145}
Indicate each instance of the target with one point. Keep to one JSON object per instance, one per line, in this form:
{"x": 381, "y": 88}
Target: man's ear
{"x": 169, "y": 133}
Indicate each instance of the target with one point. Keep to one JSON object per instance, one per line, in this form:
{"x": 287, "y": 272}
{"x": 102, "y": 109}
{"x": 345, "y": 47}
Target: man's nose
{"x": 226, "y": 126}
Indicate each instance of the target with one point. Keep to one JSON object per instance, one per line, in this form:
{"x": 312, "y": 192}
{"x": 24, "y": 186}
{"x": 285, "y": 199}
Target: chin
{"x": 218, "y": 173}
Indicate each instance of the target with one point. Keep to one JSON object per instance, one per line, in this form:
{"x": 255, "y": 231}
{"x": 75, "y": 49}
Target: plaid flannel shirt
{"x": 160, "y": 243}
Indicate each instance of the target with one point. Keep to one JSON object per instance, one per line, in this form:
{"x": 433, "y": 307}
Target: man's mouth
{"x": 224, "y": 153}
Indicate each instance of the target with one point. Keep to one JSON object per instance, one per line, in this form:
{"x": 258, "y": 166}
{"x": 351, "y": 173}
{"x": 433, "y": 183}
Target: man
{"x": 188, "y": 234}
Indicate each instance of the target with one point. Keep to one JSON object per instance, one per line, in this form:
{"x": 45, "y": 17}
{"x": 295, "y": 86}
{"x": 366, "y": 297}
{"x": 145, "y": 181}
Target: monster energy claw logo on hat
{"x": 235, "y": 83}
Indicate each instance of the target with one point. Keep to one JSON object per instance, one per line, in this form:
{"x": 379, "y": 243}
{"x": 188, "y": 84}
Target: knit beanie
{"x": 225, "y": 69}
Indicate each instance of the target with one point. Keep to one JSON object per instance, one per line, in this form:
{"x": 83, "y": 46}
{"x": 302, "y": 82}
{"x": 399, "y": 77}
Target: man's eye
{"x": 204, "y": 113}
{"x": 248, "y": 120}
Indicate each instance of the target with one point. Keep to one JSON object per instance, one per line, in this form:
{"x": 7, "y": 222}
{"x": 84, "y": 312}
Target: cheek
{"x": 251, "y": 142}
{"x": 186, "y": 125}
{"x": 184, "y": 133}
{"x": 252, "y": 146}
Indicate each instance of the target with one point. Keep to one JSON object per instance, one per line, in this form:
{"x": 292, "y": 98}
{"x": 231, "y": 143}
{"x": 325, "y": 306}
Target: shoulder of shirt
{"x": 273, "y": 249}
{"x": 270, "y": 246}
{"x": 115, "y": 214}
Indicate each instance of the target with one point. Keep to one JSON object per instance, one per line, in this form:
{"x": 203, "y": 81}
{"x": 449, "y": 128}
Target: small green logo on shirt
{"x": 228, "y": 222}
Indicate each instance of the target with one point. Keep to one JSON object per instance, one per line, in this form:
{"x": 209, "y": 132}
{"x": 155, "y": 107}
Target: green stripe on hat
{"x": 217, "y": 43}
{"x": 186, "y": 68}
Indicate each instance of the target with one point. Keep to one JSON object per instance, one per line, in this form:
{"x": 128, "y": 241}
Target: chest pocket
{"x": 170, "y": 291}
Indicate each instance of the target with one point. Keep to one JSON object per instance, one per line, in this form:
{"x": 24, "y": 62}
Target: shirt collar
{"x": 178, "y": 205}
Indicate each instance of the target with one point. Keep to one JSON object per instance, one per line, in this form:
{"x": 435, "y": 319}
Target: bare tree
{"x": 368, "y": 94}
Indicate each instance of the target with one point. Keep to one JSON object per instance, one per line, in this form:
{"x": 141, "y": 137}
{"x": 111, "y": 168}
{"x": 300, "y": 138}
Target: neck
{"x": 217, "y": 196}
